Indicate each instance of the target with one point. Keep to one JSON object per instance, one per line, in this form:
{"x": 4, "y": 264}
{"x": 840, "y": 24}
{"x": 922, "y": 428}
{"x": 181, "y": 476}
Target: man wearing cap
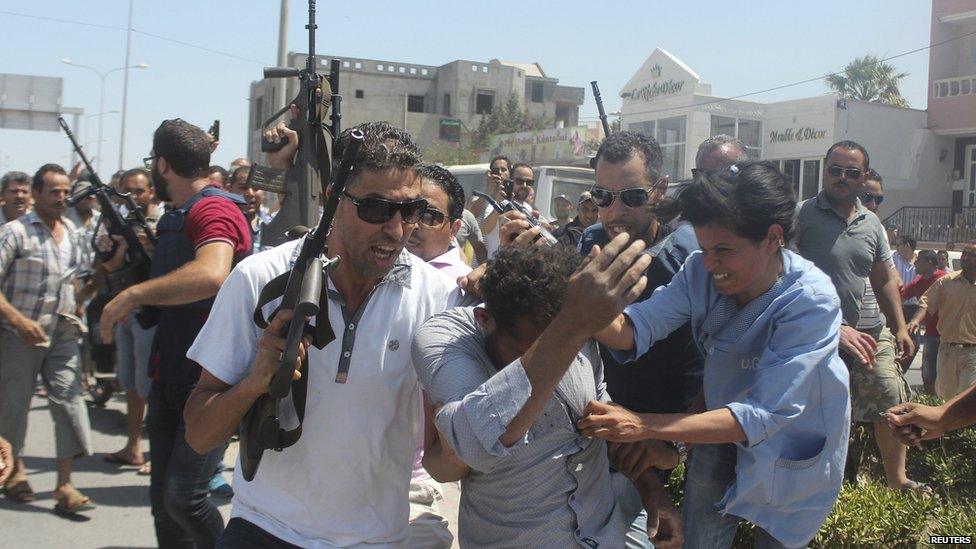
{"x": 563, "y": 209}
{"x": 587, "y": 214}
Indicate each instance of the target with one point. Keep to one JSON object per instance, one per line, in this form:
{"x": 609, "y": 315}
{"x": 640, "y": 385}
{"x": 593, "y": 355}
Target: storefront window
{"x": 670, "y": 135}
{"x": 646, "y": 128}
{"x": 811, "y": 179}
{"x": 722, "y": 125}
{"x": 791, "y": 171}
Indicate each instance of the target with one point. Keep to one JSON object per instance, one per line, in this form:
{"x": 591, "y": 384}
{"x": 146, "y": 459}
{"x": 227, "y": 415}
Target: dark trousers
{"x": 181, "y": 508}
{"x": 241, "y": 534}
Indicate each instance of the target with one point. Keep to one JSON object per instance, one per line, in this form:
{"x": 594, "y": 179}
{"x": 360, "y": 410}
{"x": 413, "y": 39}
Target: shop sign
{"x": 654, "y": 89}
{"x": 802, "y": 133}
{"x": 564, "y": 144}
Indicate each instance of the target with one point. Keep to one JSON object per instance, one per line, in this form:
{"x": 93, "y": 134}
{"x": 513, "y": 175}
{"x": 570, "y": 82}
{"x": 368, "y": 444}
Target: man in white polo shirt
{"x": 344, "y": 483}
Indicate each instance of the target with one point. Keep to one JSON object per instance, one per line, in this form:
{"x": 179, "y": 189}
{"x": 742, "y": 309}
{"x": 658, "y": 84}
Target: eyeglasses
{"x": 148, "y": 162}
{"x": 377, "y": 210}
{"x": 848, "y": 173}
{"x": 528, "y": 181}
{"x": 432, "y": 217}
{"x": 632, "y": 198}
{"x": 869, "y": 197}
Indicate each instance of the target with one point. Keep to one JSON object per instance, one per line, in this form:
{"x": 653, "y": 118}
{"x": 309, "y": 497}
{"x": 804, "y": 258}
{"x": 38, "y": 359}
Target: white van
{"x": 550, "y": 182}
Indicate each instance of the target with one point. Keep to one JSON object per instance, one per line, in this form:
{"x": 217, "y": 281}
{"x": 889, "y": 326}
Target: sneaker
{"x": 220, "y": 488}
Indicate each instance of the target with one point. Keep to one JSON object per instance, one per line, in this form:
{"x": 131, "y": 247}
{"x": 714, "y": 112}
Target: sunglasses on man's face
{"x": 432, "y": 218}
{"x": 377, "y": 210}
{"x": 847, "y": 173}
{"x": 632, "y": 198}
{"x": 870, "y": 197}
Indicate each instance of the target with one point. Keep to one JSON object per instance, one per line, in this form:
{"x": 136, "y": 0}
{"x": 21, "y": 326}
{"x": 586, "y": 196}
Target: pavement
{"x": 121, "y": 517}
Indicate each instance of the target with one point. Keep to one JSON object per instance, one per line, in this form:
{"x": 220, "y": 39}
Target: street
{"x": 121, "y": 517}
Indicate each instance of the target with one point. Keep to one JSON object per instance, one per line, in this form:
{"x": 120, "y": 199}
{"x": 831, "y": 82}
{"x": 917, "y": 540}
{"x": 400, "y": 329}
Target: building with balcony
{"x": 436, "y": 104}
{"x": 668, "y": 100}
{"x": 952, "y": 93}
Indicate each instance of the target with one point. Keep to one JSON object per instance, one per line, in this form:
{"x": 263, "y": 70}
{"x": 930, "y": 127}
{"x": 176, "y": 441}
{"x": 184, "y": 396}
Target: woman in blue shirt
{"x": 771, "y": 445}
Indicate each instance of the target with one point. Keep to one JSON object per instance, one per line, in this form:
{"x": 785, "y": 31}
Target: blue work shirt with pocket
{"x": 774, "y": 364}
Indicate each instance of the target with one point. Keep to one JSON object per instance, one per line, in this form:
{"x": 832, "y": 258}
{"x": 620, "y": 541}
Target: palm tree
{"x": 869, "y": 78}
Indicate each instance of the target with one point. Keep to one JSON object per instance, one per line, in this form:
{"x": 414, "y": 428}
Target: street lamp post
{"x": 101, "y": 96}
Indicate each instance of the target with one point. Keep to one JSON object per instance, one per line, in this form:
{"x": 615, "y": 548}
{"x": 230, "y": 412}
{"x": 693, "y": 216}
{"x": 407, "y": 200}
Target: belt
{"x": 961, "y": 345}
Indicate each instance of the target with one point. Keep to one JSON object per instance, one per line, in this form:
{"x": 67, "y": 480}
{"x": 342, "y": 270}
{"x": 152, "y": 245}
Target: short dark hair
{"x": 906, "y": 239}
{"x": 184, "y": 146}
{"x": 527, "y": 283}
{"x": 38, "y": 183}
{"x": 449, "y": 184}
{"x": 943, "y": 252}
{"x": 508, "y": 162}
{"x": 622, "y": 146}
{"x": 851, "y": 146}
{"x": 218, "y": 169}
{"x": 873, "y": 175}
{"x": 928, "y": 255}
{"x": 13, "y": 177}
{"x": 384, "y": 146}
{"x": 746, "y": 201}
{"x": 717, "y": 141}
{"x": 136, "y": 172}
{"x": 521, "y": 165}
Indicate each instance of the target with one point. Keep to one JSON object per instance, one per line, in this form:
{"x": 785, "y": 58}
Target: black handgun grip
{"x": 281, "y": 72}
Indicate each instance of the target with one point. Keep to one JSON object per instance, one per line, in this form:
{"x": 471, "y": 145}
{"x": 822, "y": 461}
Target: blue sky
{"x": 738, "y": 47}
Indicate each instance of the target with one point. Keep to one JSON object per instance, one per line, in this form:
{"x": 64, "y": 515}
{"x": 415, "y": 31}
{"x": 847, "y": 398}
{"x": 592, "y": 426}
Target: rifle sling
{"x": 322, "y": 333}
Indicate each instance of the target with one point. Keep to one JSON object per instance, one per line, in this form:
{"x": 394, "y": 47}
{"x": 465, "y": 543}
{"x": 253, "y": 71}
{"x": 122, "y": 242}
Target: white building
{"x": 669, "y": 101}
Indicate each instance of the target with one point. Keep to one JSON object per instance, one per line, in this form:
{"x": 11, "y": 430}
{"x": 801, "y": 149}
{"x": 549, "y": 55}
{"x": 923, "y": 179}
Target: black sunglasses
{"x": 632, "y": 198}
{"x": 849, "y": 173}
{"x": 377, "y": 210}
{"x": 432, "y": 218}
{"x": 876, "y": 198}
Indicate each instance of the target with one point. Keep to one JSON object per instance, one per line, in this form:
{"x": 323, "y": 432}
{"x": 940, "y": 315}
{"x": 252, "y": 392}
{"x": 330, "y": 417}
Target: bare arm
{"x": 622, "y": 425}
{"x": 198, "y": 279}
{"x": 618, "y": 335}
{"x": 885, "y": 283}
{"x": 214, "y": 409}
{"x": 439, "y": 460}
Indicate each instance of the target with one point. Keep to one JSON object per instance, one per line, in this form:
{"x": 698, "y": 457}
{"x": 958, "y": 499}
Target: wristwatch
{"x": 681, "y": 449}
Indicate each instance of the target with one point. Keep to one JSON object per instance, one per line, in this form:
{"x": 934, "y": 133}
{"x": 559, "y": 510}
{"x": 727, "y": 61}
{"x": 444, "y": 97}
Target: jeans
{"x": 930, "y": 356}
{"x": 182, "y": 513}
{"x": 711, "y": 469}
{"x": 241, "y": 534}
{"x": 632, "y": 511}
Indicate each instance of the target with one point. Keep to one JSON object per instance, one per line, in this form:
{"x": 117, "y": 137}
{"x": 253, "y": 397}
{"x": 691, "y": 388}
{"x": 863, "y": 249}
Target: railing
{"x": 934, "y": 224}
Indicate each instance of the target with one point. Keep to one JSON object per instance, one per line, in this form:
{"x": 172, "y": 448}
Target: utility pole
{"x": 125, "y": 87}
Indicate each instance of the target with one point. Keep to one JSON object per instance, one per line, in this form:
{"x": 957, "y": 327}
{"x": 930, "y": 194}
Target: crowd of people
{"x": 727, "y": 325}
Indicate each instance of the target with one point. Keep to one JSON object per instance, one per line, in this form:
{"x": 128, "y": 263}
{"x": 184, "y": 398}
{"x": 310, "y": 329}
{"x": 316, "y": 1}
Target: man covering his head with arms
{"x": 510, "y": 383}
{"x": 345, "y": 482}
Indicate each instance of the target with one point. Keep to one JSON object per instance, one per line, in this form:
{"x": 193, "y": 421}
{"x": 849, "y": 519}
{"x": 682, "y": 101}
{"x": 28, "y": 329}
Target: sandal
{"x": 145, "y": 469}
{"x": 72, "y": 501}
{"x": 117, "y": 459}
{"x": 20, "y": 491}
{"x": 918, "y": 488}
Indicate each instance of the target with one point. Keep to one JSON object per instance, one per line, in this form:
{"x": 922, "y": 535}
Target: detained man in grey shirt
{"x": 507, "y": 384}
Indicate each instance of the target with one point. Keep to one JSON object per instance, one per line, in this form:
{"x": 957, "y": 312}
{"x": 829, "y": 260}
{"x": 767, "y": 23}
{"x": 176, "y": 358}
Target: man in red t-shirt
{"x": 199, "y": 241}
{"x": 927, "y": 267}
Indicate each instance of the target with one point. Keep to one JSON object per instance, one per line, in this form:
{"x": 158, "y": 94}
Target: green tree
{"x": 868, "y": 78}
{"x": 509, "y": 117}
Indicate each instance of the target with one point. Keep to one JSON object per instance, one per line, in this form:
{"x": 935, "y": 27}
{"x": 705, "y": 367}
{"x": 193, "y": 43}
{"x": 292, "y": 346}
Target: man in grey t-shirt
{"x": 847, "y": 241}
{"x": 509, "y": 385}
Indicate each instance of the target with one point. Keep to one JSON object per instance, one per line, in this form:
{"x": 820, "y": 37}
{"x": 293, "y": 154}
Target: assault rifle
{"x": 510, "y": 205}
{"x": 301, "y": 292}
{"x": 137, "y": 261}
{"x": 603, "y": 116}
{"x": 301, "y": 186}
